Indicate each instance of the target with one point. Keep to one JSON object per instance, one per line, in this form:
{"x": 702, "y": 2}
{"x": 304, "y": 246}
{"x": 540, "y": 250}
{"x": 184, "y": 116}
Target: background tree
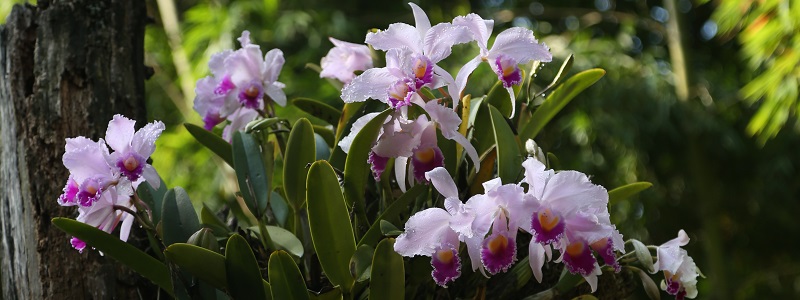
{"x": 67, "y": 68}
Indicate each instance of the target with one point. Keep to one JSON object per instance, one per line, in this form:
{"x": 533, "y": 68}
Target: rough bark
{"x": 67, "y": 68}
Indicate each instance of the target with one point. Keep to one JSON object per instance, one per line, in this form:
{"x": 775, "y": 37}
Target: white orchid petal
{"x": 519, "y": 44}
{"x": 439, "y": 40}
{"x": 373, "y": 83}
{"x": 397, "y": 36}
{"x": 443, "y": 182}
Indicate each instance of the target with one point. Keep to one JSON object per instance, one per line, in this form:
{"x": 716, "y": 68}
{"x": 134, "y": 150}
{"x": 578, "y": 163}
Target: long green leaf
{"x": 300, "y": 151}
{"x": 626, "y": 191}
{"x": 349, "y": 113}
{"x": 212, "y": 141}
{"x": 356, "y": 168}
{"x": 285, "y": 278}
{"x": 374, "y": 235}
{"x": 125, "y": 253}
{"x": 180, "y": 219}
{"x": 499, "y": 98}
{"x": 557, "y": 100}
{"x": 284, "y": 239}
{"x": 202, "y": 263}
{"x": 387, "y": 280}
{"x": 250, "y": 172}
{"x": 318, "y": 109}
{"x": 509, "y": 158}
{"x": 241, "y": 269}
{"x": 329, "y": 221}
{"x": 210, "y": 220}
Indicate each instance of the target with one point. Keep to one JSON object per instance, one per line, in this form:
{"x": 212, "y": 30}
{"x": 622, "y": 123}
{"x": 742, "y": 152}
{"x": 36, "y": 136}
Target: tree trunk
{"x": 67, "y": 67}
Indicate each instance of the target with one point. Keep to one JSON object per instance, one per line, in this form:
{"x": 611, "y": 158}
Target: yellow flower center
{"x": 425, "y": 156}
{"x": 548, "y": 220}
{"x": 131, "y": 163}
{"x": 575, "y": 249}
{"x": 445, "y": 256}
{"x": 420, "y": 66}
{"x": 251, "y": 92}
{"x": 498, "y": 244}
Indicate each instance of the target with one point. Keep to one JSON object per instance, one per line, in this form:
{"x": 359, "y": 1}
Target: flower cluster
{"x": 680, "y": 271}
{"x": 412, "y": 55}
{"x": 101, "y": 183}
{"x": 562, "y": 210}
{"x": 241, "y": 85}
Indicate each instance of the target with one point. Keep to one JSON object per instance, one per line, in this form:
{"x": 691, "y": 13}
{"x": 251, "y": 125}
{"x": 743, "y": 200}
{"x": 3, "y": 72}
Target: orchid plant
{"x": 476, "y": 211}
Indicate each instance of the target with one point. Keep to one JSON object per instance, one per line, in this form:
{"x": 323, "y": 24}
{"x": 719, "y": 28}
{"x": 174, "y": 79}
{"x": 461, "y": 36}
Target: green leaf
{"x": 180, "y": 219}
{"x": 557, "y": 100}
{"x": 250, "y": 172}
{"x": 334, "y": 294}
{"x": 643, "y": 255}
{"x": 565, "y": 67}
{"x": 323, "y": 150}
{"x": 283, "y": 238}
{"x": 210, "y": 220}
{"x": 125, "y": 253}
{"x": 318, "y": 109}
{"x": 300, "y": 152}
{"x": 260, "y": 124}
{"x": 388, "y": 229}
{"x": 585, "y": 297}
{"x": 626, "y": 191}
{"x": 553, "y": 162}
{"x": 285, "y": 278}
{"x": 204, "y": 264}
{"x": 212, "y": 141}
{"x": 241, "y": 269}
{"x": 361, "y": 262}
{"x": 329, "y": 221}
{"x": 387, "y": 280}
{"x": 279, "y": 208}
{"x": 349, "y": 113}
{"x": 649, "y": 286}
{"x": 356, "y": 169}
{"x": 374, "y": 235}
{"x": 509, "y": 158}
{"x": 326, "y": 134}
{"x": 153, "y": 197}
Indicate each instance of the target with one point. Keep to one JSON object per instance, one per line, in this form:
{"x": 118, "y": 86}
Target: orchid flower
{"x": 240, "y": 83}
{"x": 680, "y": 271}
{"x": 430, "y": 232}
{"x": 344, "y": 59}
{"x": 132, "y": 149}
{"x": 411, "y": 139}
{"x": 105, "y": 216}
{"x": 512, "y": 47}
{"x": 411, "y": 60}
{"x": 90, "y": 174}
{"x": 501, "y": 211}
{"x": 571, "y": 214}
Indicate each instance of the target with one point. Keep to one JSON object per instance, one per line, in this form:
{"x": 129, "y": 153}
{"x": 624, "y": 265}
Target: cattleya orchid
{"x": 344, "y": 60}
{"x": 512, "y": 47}
{"x": 680, "y": 271}
{"x": 411, "y": 139}
{"x": 101, "y": 183}
{"x": 571, "y": 214}
{"x": 412, "y": 54}
{"x": 437, "y": 232}
{"x": 242, "y": 83}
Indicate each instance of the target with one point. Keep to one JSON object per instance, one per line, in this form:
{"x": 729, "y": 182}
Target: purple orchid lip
{"x": 377, "y": 164}
{"x": 507, "y": 71}
{"x": 446, "y": 266}
{"x": 77, "y": 244}
{"x": 426, "y": 159}
{"x": 131, "y": 165}
{"x": 400, "y": 93}
{"x": 423, "y": 71}
{"x": 90, "y": 191}
{"x": 224, "y": 86}
{"x": 547, "y": 225}
{"x": 605, "y": 247}
{"x": 578, "y": 258}
{"x": 68, "y": 198}
{"x": 250, "y": 96}
{"x": 498, "y": 253}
